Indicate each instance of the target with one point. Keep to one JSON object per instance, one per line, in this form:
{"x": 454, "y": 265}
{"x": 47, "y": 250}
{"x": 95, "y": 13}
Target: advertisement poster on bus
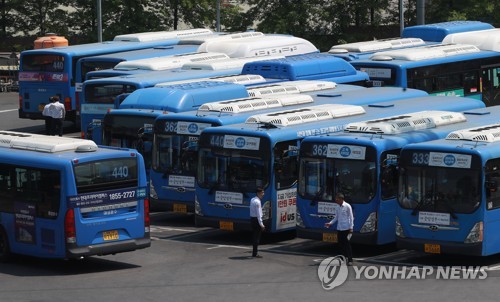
{"x": 25, "y": 222}
{"x": 286, "y": 209}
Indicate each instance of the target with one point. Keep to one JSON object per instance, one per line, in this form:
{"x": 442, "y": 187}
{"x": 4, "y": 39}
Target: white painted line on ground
{"x": 8, "y": 110}
{"x": 229, "y": 246}
{"x": 172, "y": 229}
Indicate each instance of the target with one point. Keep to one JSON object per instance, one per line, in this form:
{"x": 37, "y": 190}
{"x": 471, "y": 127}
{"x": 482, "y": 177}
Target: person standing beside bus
{"x": 345, "y": 223}
{"x": 256, "y": 221}
{"x": 58, "y": 114}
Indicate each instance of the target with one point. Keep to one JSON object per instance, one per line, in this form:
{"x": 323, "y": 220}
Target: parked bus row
{"x": 262, "y": 135}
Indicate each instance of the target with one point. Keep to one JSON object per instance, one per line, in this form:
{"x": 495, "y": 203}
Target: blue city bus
{"x": 107, "y": 61}
{"x": 100, "y": 94}
{"x": 175, "y": 150}
{"x": 448, "y": 193}
{"x": 66, "y": 198}
{"x": 263, "y": 151}
{"x": 362, "y": 164}
{"x": 240, "y": 45}
{"x": 52, "y": 71}
{"x": 418, "y": 35}
{"x": 132, "y": 122}
{"x": 131, "y": 125}
{"x": 469, "y": 69}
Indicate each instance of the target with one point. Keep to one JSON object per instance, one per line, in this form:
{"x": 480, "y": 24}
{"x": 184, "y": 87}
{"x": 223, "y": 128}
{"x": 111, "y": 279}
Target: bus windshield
{"x": 176, "y": 154}
{"x": 440, "y": 189}
{"x": 234, "y": 170}
{"x": 43, "y": 63}
{"x": 321, "y": 179}
{"x": 128, "y": 131}
{"x": 106, "y": 93}
{"x": 106, "y": 174}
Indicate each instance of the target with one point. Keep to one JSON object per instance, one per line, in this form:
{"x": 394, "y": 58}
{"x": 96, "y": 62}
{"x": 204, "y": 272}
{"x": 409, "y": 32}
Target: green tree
{"x": 39, "y": 17}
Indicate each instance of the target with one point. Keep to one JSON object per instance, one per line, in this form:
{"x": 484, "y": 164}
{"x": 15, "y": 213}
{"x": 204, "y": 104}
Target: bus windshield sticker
{"x": 241, "y": 142}
{"x": 228, "y": 197}
{"x": 181, "y": 181}
{"x": 434, "y": 218}
{"x": 450, "y": 160}
{"x": 326, "y": 207}
{"x": 190, "y": 128}
{"x": 105, "y": 197}
{"x": 346, "y": 151}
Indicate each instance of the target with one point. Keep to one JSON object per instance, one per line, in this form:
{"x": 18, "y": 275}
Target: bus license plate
{"x": 226, "y": 225}
{"x": 432, "y": 248}
{"x": 180, "y": 208}
{"x": 110, "y": 235}
{"x": 330, "y": 237}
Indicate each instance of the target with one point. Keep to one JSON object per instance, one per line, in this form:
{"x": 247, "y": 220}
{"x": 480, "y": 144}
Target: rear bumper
{"x": 108, "y": 248}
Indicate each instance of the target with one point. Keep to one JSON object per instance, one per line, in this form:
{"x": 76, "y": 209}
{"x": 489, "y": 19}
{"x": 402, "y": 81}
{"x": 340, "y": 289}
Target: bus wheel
{"x": 4, "y": 246}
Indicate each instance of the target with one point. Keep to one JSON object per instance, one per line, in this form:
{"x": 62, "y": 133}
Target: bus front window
{"x": 439, "y": 189}
{"x": 176, "y": 154}
{"x": 233, "y": 170}
{"x": 316, "y": 179}
{"x": 356, "y": 179}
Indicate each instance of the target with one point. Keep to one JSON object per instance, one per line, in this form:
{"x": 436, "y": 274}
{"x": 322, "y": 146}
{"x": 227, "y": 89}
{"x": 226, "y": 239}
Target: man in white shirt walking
{"x": 345, "y": 223}
{"x": 256, "y": 221}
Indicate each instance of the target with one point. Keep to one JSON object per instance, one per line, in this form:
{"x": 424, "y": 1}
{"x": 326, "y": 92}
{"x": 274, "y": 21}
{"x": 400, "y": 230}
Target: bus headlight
{"x": 152, "y": 191}
{"x": 266, "y": 210}
{"x": 370, "y": 224}
{"x": 299, "y": 221}
{"x": 197, "y": 207}
{"x": 399, "y": 229}
{"x": 475, "y": 234}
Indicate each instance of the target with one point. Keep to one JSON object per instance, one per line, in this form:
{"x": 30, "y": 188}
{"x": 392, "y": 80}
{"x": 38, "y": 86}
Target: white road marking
{"x": 8, "y": 110}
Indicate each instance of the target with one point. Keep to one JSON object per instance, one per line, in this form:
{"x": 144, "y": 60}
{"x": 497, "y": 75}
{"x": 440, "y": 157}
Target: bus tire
{"x": 4, "y": 246}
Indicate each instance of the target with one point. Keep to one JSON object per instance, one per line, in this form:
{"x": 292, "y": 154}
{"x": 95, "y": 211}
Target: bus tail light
{"x": 20, "y": 102}
{"x": 69, "y": 226}
{"x": 370, "y": 224}
{"x": 147, "y": 221}
{"x": 67, "y": 103}
{"x": 475, "y": 234}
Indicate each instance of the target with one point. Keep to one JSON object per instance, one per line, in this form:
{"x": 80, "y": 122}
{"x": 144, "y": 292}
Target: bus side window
{"x": 286, "y": 164}
{"x": 6, "y": 189}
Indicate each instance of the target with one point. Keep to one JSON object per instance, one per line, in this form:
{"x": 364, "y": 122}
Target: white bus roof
{"x": 290, "y": 87}
{"x": 251, "y": 104}
{"x": 231, "y": 63}
{"x": 261, "y": 46}
{"x": 243, "y": 79}
{"x": 169, "y": 62}
{"x": 220, "y": 37}
{"x": 484, "y": 39}
{"x": 44, "y": 143}
{"x": 306, "y": 115}
{"x": 425, "y": 53}
{"x": 162, "y": 35}
{"x": 407, "y": 122}
{"x": 489, "y": 134}
{"x": 376, "y": 45}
